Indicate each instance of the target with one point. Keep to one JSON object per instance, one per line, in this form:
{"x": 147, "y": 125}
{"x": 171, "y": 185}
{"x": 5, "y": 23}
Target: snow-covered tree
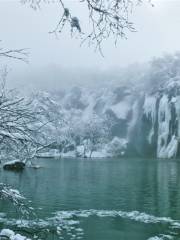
{"x": 20, "y": 125}
{"x": 164, "y": 72}
{"x": 94, "y": 133}
{"x": 117, "y": 147}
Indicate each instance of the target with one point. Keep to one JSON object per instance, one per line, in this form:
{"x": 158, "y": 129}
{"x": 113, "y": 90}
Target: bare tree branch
{"x": 107, "y": 19}
{"x": 18, "y": 54}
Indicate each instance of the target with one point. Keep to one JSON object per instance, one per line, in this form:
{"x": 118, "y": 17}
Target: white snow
{"x": 134, "y": 215}
{"x": 70, "y": 221}
{"x": 167, "y": 143}
{"x": 11, "y": 235}
{"x": 99, "y": 154}
{"x": 155, "y": 238}
{"x": 70, "y": 154}
{"x": 11, "y": 193}
{"x": 165, "y": 149}
{"x": 150, "y": 112}
{"x": 135, "y": 116}
{"x": 172, "y": 147}
{"x": 11, "y": 162}
{"x": 162, "y": 237}
{"x": 150, "y": 107}
{"x": 177, "y": 107}
{"x": 121, "y": 109}
{"x": 14, "y": 135}
{"x": 116, "y": 147}
{"x": 53, "y": 153}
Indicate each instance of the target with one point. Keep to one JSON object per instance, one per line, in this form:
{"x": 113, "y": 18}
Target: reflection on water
{"x": 148, "y": 186}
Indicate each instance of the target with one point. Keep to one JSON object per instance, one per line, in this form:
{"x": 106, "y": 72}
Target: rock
{"x": 14, "y": 165}
{"x": 35, "y": 166}
{"x": 6, "y": 233}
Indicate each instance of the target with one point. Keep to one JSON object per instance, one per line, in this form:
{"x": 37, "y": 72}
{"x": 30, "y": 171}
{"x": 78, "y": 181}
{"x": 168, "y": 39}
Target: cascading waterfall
{"x": 164, "y": 118}
{"x": 160, "y": 112}
{"x": 177, "y": 107}
{"x": 150, "y": 112}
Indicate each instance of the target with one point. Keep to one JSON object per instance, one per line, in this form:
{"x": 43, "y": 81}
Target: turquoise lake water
{"x": 99, "y": 199}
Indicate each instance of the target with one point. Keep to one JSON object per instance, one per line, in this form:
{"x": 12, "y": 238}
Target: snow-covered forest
{"x": 136, "y": 115}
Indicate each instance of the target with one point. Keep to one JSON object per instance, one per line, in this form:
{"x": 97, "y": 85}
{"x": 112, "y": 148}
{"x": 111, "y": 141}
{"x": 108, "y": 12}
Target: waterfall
{"x": 149, "y": 109}
{"x": 159, "y": 110}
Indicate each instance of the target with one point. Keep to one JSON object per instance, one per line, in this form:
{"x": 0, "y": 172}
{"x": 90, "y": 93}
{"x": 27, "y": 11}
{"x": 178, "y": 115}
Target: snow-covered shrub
{"x": 117, "y": 147}
{"x": 14, "y": 197}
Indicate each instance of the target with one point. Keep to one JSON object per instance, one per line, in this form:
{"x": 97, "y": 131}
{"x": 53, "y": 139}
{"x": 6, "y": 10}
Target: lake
{"x": 98, "y": 199}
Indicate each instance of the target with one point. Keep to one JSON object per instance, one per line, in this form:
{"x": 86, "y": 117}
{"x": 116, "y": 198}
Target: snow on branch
{"x": 14, "y": 196}
{"x": 20, "y": 124}
{"x": 18, "y": 54}
{"x": 10, "y": 194}
{"x": 107, "y": 18}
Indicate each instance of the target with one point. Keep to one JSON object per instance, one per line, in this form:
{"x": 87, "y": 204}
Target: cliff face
{"x": 156, "y": 114}
{"x": 159, "y": 126}
{"x": 141, "y": 116}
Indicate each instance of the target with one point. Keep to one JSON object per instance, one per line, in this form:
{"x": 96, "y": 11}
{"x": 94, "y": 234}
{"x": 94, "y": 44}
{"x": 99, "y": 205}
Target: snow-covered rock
{"x": 9, "y": 234}
{"x": 14, "y": 165}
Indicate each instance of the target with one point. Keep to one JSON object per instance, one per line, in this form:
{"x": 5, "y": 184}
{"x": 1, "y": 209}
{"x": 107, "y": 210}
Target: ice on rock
{"x": 177, "y": 107}
{"x": 159, "y": 111}
{"x": 150, "y": 112}
{"x": 155, "y": 238}
{"x": 150, "y": 107}
{"x": 165, "y": 148}
{"x": 161, "y": 237}
{"x": 11, "y": 235}
{"x": 172, "y": 147}
{"x": 7, "y": 232}
{"x": 121, "y": 109}
{"x": 164, "y": 117}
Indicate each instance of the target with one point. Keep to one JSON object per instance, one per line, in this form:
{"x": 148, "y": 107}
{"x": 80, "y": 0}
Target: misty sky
{"x": 157, "y": 33}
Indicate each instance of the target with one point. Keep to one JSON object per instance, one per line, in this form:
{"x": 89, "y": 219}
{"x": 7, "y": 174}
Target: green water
{"x": 148, "y": 186}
